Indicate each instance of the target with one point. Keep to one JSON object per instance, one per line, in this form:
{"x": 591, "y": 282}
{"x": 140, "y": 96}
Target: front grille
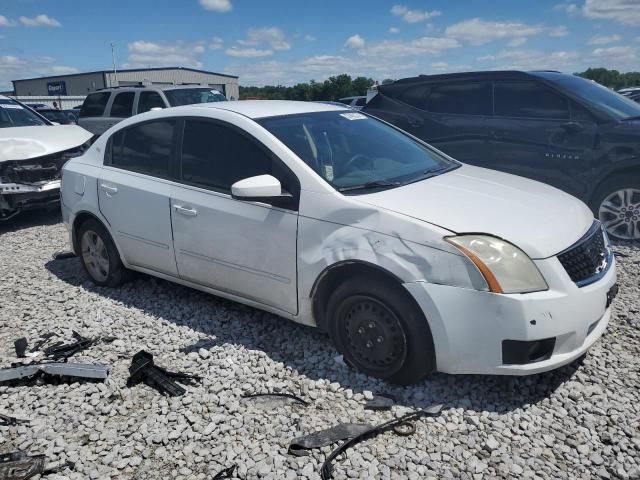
{"x": 587, "y": 259}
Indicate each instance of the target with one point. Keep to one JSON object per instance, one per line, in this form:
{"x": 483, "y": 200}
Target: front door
{"x": 540, "y": 134}
{"x": 244, "y": 248}
{"x": 134, "y": 194}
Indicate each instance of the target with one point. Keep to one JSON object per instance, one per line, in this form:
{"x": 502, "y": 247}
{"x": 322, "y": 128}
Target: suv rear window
{"x": 122, "y": 105}
{"x": 529, "y": 100}
{"x": 94, "y": 104}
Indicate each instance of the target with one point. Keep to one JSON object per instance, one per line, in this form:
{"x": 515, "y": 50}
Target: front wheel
{"x": 380, "y": 330}
{"x": 617, "y": 205}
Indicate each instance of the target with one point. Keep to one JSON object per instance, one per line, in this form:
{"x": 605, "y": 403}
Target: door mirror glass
{"x": 261, "y": 186}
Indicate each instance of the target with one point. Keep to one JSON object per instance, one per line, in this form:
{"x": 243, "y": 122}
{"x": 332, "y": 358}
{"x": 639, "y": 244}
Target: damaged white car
{"x": 32, "y": 153}
{"x": 411, "y": 261}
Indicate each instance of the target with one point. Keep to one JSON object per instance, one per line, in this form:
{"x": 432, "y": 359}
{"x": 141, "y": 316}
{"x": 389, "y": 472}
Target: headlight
{"x": 505, "y": 267}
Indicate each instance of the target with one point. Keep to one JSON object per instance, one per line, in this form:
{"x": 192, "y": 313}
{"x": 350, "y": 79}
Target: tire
{"x": 99, "y": 255}
{"x": 616, "y": 204}
{"x": 380, "y": 330}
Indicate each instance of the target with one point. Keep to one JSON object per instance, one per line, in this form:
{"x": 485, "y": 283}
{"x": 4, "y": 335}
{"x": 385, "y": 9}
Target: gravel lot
{"x": 581, "y": 421}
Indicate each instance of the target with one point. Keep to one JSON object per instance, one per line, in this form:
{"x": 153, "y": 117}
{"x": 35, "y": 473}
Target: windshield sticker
{"x": 353, "y": 116}
{"x": 328, "y": 172}
{"x": 8, "y": 105}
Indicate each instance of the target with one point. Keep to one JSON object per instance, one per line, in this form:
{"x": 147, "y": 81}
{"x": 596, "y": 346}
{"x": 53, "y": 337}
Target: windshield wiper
{"x": 371, "y": 185}
{"x": 634, "y": 117}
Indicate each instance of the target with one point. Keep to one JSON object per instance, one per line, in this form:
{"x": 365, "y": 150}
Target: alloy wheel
{"x": 619, "y": 212}
{"x": 95, "y": 255}
{"x": 374, "y": 336}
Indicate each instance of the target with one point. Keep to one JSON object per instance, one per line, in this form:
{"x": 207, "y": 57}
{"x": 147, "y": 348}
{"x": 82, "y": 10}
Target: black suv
{"x": 559, "y": 129}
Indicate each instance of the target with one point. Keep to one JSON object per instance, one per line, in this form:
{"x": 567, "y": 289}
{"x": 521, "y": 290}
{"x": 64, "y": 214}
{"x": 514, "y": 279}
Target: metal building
{"x": 85, "y": 83}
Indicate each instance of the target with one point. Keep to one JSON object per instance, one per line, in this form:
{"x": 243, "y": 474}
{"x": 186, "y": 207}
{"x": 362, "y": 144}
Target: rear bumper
{"x": 469, "y": 326}
{"x": 16, "y": 198}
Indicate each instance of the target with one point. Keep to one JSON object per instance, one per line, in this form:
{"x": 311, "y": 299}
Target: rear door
{"x": 450, "y": 116}
{"x": 149, "y": 99}
{"x": 243, "y": 248}
{"x": 134, "y": 191}
{"x": 539, "y": 133}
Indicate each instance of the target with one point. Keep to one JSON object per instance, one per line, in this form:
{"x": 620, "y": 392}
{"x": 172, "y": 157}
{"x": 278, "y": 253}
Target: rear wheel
{"x": 99, "y": 255}
{"x": 380, "y": 330}
{"x": 617, "y": 205}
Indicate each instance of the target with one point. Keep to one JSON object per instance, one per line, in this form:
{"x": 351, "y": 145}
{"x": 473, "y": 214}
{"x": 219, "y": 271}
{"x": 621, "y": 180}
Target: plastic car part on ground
{"x": 143, "y": 370}
{"x": 226, "y": 473}
{"x": 20, "y": 466}
{"x": 381, "y": 401}
{"x": 401, "y": 426}
{"x": 300, "y": 446}
{"x": 73, "y": 370}
{"x": 7, "y": 421}
{"x": 290, "y": 396}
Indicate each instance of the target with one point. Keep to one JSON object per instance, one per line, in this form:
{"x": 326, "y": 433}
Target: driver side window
{"x": 215, "y": 156}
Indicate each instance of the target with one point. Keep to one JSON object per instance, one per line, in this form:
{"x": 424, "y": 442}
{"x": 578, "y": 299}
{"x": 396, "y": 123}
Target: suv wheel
{"x": 617, "y": 205}
{"x": 99, "y": 255}
{"x": 380, "y": 331}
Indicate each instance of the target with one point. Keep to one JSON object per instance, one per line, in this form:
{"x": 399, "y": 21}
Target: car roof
{"x": 270, "y": 108}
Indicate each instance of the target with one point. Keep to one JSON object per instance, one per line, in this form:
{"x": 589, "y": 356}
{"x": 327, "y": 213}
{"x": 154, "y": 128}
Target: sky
{"x": 290, "y": 41}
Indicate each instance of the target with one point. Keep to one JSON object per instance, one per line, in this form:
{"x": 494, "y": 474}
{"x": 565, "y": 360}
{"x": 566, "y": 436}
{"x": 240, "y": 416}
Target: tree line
{"x": 341, "y": 86}
{"x": 612, "y": 78}
{"x": 333, "y": 88}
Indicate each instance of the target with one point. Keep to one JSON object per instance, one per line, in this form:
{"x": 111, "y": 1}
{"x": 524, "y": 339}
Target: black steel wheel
{"x": 373, "y": 334}
{"x": 380, "y": 330}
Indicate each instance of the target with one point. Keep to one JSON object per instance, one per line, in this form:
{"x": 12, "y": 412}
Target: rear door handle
{"x": 497, "y": 133}
{"x": 109, "y": 189}
{"x": 187, "y": 212}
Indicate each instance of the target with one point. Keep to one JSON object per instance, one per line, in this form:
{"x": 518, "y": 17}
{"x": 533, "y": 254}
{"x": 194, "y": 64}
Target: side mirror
{"x": 262, "y": 188}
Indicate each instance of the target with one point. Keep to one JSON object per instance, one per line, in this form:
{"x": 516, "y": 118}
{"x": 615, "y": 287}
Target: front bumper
{"x": 469, "y": 326}
{"x": 16, "y": 197}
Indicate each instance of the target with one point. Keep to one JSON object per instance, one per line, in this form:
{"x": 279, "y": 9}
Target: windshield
{"x": 12, "y": 114}
{"x": 189, "y": 96}
{"x": 595, "y": 94}
{"x": 352, "y": 151}
{"x": 55, "y": 116}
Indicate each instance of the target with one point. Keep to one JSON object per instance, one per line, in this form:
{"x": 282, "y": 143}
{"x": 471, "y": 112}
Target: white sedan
{"x": 411, "y": 261}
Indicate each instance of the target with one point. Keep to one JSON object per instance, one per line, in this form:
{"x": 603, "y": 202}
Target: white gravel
{"x": 581, "y": 421}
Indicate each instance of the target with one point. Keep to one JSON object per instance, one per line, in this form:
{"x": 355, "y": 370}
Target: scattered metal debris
{"x": 74, "y": 370}
{"x": 21, "y": 345}
{"x": 142, "y": 369}
{"x": 7, "y": 421}
{"x": 300, "y": 446}
{"x": 205, "y": 343}
{"x": 226, "y": 473}
{"x": 381, "y": 401}
{"x": 63, "y": 254}
{"x": 277, "y": 394}
{"x": 20, "y": 466}
{"x": 401, "y": 426}
{"x": 44, "y": 339}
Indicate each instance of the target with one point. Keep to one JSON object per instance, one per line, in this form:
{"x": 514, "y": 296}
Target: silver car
{"x": 101, "y": 110}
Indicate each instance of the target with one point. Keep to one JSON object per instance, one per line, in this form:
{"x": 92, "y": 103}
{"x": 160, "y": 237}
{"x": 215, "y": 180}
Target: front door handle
{"x": 109, "y": 189}
{"x": 497, "y": 134}
{"x": 187, "y": 212}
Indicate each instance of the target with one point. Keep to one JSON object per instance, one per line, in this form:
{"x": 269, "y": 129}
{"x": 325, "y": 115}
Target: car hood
{"x": 539, "y": 219}
{"x": 23, "y": 143}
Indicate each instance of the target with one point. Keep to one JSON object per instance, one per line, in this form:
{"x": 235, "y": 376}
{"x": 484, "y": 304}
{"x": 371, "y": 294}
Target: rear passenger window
{"x": 149, "y": 100}
{"x": 529, "y": 100}
{"x": 122, "y": 105}
{"x": 464, "y": 98}
{"x": 144, "y": 148}
{"x": 216, "y": 156}
{"x": 94, "y": 104}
